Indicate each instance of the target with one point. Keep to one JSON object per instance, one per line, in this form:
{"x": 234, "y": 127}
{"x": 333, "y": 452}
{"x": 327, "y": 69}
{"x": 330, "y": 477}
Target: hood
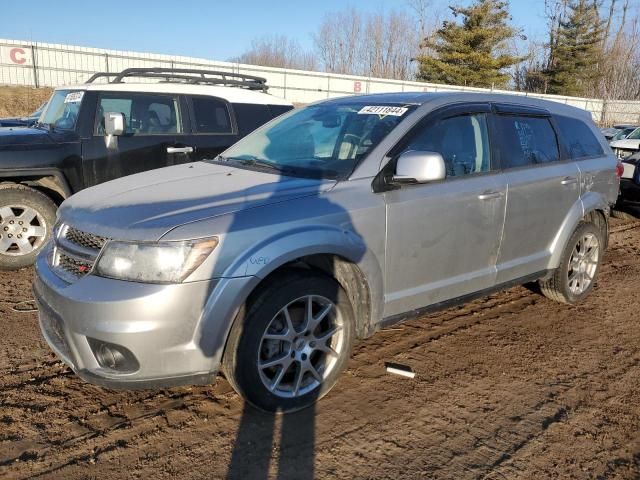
{"x": 145, "y": 206}
{"x": 626, "y": 144}
{"x": 15, "y": 121}
{"x": 24, "y": 136}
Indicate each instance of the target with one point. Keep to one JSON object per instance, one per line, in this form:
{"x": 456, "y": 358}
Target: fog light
{"x": 113, "y": 357}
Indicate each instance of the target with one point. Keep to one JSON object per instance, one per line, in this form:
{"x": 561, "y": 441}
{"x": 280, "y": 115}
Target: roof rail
{"x": 187, "y": 75}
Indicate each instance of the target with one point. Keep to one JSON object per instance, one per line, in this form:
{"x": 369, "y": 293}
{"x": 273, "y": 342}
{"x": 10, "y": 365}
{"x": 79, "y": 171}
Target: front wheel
{"x": 27, "y": 217}
{"x": 574, "y": 278}
{"x": 290, "y": 346}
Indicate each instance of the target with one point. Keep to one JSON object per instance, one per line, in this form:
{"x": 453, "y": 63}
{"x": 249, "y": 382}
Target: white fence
{"x": 45, "y": 64}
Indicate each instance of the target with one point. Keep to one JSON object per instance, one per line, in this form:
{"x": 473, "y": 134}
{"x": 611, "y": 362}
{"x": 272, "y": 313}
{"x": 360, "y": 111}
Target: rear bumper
{"x": 159, "y": 324}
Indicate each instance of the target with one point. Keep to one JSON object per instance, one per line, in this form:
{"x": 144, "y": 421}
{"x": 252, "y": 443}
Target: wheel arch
{"x": 591, "y": 207}
{"x": 323, "y": 250}
{"x": 50, "y": 182}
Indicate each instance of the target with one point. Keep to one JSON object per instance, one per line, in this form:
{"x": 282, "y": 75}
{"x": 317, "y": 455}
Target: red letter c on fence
{"x": 17, "y": 56}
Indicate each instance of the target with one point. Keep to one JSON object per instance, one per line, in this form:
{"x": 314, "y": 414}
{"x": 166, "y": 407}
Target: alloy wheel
{"x": 301, "y": 346}
{"x": 22, "y": 230}
{"x": 583, "y": 263}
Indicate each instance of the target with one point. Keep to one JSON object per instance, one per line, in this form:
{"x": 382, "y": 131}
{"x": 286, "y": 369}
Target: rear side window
{"x": 277, "y": 110}
{"x": 578, "y": 138}
{"x": 211, "y": 115}
{"x": 526, "y": 141}
{"x": 250, "y": 116}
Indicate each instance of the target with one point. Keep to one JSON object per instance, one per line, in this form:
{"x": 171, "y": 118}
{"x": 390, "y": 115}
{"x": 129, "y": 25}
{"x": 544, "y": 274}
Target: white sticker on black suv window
{"x": 74, "y": 97}
{"x": 383, "y": 110}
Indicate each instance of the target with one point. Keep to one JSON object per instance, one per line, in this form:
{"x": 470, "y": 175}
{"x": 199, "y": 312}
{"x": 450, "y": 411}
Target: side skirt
{"x": 401, "y": 317}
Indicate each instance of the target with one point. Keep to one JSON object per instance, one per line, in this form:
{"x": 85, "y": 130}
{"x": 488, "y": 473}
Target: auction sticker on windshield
{"x": 383, "y": 110}
{"x": 74, "y": 97}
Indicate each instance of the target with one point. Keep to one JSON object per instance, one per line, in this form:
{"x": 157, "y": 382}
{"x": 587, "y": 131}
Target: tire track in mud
{"x": 98, "y": 422}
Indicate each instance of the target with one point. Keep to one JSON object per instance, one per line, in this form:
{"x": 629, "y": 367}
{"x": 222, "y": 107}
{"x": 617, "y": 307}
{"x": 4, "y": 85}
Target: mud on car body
{"x": 317, "y": 229}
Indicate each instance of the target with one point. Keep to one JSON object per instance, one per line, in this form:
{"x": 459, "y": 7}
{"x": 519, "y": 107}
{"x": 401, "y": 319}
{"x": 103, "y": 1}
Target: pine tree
{"x": 578, "y": 50}
{"x": 472, "y": 52}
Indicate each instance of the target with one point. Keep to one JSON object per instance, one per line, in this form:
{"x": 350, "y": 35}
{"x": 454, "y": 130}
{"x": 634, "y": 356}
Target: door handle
{"x": 179, "y": 149}
{"x": 569, "y": 181}
{"x": 489, "y": 195}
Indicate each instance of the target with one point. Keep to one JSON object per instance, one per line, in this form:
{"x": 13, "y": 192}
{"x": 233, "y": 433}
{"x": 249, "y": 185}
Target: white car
{"x": 627, "y": 146}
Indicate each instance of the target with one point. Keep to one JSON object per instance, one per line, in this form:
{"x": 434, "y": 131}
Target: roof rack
{"x": 189, "y": 76}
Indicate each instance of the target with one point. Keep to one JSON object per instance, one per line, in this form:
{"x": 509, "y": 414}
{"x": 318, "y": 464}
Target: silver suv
{"x": 320, "y": 228}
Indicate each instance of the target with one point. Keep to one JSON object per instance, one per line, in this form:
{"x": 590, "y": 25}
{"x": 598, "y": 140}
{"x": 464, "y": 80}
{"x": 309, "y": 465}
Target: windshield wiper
{"x": 46, "y": 126}
{"x": 257, "y": 162}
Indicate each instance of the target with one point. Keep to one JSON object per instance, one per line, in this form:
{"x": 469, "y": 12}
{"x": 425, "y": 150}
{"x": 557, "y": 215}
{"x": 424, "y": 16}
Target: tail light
{"x": 619, "y": 169}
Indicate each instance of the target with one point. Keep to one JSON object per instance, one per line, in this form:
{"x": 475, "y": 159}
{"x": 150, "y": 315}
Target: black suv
{"x": 95, "y": 132}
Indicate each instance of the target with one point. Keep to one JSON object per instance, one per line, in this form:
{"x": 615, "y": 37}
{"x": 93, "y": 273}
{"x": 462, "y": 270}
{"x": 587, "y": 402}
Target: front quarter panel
{"x": 348, "y": 221}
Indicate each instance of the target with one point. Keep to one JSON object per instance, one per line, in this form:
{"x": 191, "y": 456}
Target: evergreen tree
{"x": 472, "y": 52}
{"x": 578, "y": 51}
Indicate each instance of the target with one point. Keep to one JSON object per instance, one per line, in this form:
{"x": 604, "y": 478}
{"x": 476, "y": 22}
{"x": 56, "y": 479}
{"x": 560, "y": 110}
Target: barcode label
{"x": 383, "y": 110}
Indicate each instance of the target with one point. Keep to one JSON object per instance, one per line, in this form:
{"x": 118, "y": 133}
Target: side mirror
{"x": 113, "y": 124}
{"x": 419, "y": 167}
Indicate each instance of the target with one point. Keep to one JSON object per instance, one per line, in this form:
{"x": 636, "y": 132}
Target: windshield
{"x": 38, "y": 112}
{"x": 62, "y": 109}
{"x": 326, "y": 140}
{"x": 634, "y": 135}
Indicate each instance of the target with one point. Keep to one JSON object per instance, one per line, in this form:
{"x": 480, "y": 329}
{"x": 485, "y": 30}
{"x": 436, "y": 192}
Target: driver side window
{"x": 144, "y": 114}
{"x": 463, "y": 142}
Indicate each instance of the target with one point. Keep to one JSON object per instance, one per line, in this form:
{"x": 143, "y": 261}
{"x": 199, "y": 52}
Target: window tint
{"x": 279, "y": 109}
{"x": 578, "y": 138}
{"x": 462, "y": 141}
{"x": 211, "y": 115}
{"x": 526, "y": 141}
{"x": 143, "y": 114}
{"x": 250, "y": 117}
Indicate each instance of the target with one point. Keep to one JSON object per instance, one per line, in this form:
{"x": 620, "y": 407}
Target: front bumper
{"x": 161, "y": 325}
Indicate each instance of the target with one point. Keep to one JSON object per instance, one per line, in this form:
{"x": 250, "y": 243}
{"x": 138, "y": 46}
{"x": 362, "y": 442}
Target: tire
{"x": 623, "y": 215}
{"x": 20, "y": 243}
{"x": 559, "y": 287}
{"x": 264, "y": 315}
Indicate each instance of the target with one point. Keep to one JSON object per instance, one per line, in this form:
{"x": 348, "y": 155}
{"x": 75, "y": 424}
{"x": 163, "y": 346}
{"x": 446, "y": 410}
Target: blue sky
{"x": 215, "y": 29}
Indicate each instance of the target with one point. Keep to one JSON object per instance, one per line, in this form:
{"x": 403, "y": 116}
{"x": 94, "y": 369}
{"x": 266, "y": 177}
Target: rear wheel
{"x": 574, "y": 278}
{"x": 27, "y": 217}
{"x": 289, "y": 348}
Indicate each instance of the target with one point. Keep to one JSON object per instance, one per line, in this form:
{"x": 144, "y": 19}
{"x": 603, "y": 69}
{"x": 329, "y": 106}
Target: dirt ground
{"x": 17, "y": 101}
{"x": 511, "y": 386}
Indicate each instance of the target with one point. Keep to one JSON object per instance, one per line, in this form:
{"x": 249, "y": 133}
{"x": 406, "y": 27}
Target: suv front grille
{"x": 75, "y": 252}
{"x": 84, "y": 239}
{"x": 75, "y": 267}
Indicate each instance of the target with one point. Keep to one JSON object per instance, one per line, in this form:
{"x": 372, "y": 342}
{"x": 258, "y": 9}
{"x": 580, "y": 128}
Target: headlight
{"x": 161, "y": 262}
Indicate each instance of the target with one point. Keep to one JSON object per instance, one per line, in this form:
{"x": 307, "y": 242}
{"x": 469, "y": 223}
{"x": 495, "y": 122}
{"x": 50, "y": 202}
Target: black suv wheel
{"x": 27, "y": 217}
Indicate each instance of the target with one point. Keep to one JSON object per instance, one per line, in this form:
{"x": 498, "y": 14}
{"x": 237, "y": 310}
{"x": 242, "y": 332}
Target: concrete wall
{"x": 46, "y": 64}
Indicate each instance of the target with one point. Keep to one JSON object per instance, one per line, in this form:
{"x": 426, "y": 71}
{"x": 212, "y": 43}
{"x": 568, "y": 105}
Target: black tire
{"x": 15, "y": 196}
{"x": 242, "y": 352}
{"x": 557, "y": 287}
{"x": 623, "y": 215}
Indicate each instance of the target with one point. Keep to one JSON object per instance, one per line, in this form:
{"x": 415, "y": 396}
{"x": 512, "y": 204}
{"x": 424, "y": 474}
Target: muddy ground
{"x": 510, "y": 386}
